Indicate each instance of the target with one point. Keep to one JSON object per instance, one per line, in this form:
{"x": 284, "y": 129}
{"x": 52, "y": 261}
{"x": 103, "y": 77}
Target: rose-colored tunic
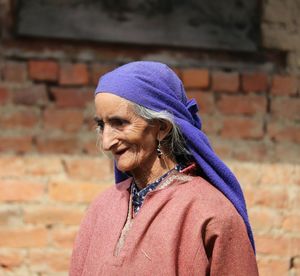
{"x": 185, "y": 228}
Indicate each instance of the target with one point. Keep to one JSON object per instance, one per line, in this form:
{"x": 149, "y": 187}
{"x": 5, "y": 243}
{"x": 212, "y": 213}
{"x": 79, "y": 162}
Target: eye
{"x": 118, "y": 122}
{"x": 100, "y": 124}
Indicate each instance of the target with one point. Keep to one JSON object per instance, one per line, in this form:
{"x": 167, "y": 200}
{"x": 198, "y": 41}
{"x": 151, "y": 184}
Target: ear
{"x": 164, "y": 129}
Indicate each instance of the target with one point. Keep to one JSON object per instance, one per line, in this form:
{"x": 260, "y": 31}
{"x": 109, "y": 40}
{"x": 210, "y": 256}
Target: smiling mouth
{"x": 120, "y": 152}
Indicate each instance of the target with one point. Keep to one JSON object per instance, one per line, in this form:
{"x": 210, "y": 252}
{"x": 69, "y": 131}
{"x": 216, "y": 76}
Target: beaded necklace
{"x": 138, "y": 196}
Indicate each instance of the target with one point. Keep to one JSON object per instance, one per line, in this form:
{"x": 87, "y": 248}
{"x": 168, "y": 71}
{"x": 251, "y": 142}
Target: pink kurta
{"x": 185, "y": 228}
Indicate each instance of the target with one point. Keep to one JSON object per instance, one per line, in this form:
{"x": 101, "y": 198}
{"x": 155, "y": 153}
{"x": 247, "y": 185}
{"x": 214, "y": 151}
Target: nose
{"x": 109, "y": 138}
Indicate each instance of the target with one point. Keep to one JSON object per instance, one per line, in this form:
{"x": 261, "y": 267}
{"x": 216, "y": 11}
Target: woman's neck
{"x": 144, "y": 175}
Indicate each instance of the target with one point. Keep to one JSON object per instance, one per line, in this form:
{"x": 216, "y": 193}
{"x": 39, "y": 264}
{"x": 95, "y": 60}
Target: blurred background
{"x": 240, "y": 59}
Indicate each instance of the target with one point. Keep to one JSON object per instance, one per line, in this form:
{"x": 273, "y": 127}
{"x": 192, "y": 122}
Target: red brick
{"x": 280, "y": 173}
{"x": 90, "y": 146}
{"x": 276, "y": 198}
{"x": 295, "y": 270}
{"x": 222, "y": 149}
{"x": 247, "y": 105}
{"x": 270, "y": 175}
{"x": 49, "y": 215}
{"x": 296, "y": 262}
{"x": 24, "y": 117}
{"x": 10, "y": 259}
{"x": 254, "y": 151}
{"x": 210, "y": 124}
{"x": 43, "y": 261}
{"x": 36, "y": 165}
{"x": 30, "y": 165}
{"x": 274, "y": 267}
{"x": 225, "y": 82}
{"x": 57, "y": 144}
{"x": 286, "y": 152}
{"x": 99, "y": 70}
{"x": 70, "y": 97}
{"x": 263, "y": 219}
{"x": 73, "y": 74}
{"x": 10, "y": 216}
{"x": 25, "y": 237}
{"x": 43, "y": 70}
{"x": 292, "y": 223}
{"x": 238, "y": 127}
{"x": 63, "y": 237}
{"x": 247, "y": 172}
{"x": 90, "y": 122}
{"x": 87, "y": 168}
{"x": 255, "y": 82}
{"x": 195, "y": 78}
{"x": 249, "y": 195}
{"x": 288, "y": 108}
{"x": 33, "y": 95}
{"x": 284, "y": 85}
{"x": 284, "y": 131}
{"x": 4, "y": 96}
{"x": 11, "y": 165}
{"x": 69, "y": 120}
{"x": 20, "y": 190}
{"x": 295, "y": 201}
{"x": 75, "y": 191}
{"x": 295, "y": 246}
{"x": 205, "y": 100}
{"x": 18, "y": 144}
{"x": 272, "y": 245}
{"x": 15, "y": 71}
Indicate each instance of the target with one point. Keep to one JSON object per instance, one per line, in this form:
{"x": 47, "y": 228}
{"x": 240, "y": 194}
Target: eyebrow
{"x": 97, "y": 119}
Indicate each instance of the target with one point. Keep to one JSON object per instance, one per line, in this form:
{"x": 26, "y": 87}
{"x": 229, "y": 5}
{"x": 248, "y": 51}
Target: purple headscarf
{"x": 155, "y": 86}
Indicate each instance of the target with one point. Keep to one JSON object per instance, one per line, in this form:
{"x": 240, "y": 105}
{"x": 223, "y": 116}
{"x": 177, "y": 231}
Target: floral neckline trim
{"x": 139, "y": 196}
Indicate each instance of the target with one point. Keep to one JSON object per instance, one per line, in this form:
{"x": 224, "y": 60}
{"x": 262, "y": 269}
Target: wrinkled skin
{"x": 131, "y": 139}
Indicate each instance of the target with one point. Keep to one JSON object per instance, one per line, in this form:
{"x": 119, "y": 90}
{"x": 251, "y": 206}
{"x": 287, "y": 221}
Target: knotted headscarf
{"x": 155, "y": 86}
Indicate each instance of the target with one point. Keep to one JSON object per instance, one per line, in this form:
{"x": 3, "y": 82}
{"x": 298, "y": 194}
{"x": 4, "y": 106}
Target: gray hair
{"x": 174, "y": 142}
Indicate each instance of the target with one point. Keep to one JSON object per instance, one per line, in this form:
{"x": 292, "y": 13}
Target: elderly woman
{"x": 176, "y": 209}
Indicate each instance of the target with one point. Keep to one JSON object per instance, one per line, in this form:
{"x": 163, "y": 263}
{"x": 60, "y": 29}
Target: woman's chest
{"x": 163, "y": 238}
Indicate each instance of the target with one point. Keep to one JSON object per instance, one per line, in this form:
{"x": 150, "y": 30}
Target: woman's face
{"x": 130, "y": 138}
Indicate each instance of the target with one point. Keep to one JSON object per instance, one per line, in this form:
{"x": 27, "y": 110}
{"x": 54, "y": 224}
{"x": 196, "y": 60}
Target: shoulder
{"x": 198, "y": 188}
{"x": 207, "y": 200}
{"x": 213, "y": 209}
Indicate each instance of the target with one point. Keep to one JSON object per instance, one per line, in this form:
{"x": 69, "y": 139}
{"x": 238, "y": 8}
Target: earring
{"x": 158, "y": 150}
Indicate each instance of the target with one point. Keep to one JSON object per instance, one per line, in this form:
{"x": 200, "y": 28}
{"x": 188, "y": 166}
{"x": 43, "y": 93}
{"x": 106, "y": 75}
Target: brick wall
{"x": 43, "y": 197}
{"x": 42, "y": 200}
{"x": 47, "y": 107}
{"x": 50, "y": 168}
